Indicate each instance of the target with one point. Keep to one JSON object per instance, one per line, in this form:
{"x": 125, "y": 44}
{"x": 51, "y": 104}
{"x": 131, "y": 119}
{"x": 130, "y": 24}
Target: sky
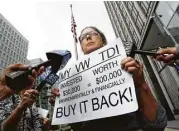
{"x": 46, "y": 24}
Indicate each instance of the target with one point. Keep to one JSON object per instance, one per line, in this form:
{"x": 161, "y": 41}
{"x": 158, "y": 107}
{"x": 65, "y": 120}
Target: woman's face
{"x": 90, "y": 40}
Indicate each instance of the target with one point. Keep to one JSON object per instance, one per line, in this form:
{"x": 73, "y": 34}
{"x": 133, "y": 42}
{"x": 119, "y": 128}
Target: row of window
{"x": 125, "y": 35}
{"x": 5, "y": 63}
{"x": 14, "y": 45}
{"x": 145, "y": 6}
{"x": 128, "y": 22}
{"x": 118, "y": 23}
{"x": 111, "y": 18}
{"x": 9, "y": 51}
{"x": 115, "y": 19}
{"x": 12, "y": 37}
{"x": 9, "y": 60}
{"x": 135, "y": 16}
{"x": 5, "y": 29}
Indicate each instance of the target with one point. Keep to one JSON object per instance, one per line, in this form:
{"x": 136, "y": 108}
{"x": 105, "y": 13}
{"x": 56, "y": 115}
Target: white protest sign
{"x": 95, "y": 87}
{"x": 43, "y": 112}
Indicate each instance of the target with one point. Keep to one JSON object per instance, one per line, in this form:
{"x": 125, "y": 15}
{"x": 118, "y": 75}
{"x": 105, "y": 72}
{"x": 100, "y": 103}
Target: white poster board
{"x": 43, "y": 112}
{"x": 95, "y": 87}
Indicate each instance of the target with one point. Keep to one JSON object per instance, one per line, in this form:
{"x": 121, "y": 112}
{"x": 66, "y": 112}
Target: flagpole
{"x": 75, "y": 42}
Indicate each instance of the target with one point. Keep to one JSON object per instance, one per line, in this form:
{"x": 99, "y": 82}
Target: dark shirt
{"x": 128, "y": 122}
{"x": 27, "y": 123}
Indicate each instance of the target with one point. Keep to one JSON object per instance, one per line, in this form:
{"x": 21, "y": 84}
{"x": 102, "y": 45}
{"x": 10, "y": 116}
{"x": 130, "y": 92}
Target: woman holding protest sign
{"x": 150, "y": 116}
{"x": 15, "y": 113}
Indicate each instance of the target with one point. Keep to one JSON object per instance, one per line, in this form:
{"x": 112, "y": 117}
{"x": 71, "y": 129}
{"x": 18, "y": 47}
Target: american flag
{"x": 73, "y": 27}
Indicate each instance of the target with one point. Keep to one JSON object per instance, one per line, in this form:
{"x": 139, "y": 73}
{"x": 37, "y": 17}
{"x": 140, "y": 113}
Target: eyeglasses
{"x": 90, "y": 34}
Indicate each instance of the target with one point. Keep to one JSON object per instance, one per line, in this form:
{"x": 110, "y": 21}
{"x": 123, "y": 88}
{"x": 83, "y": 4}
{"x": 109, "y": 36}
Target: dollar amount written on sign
{"x": 109, "y": 76}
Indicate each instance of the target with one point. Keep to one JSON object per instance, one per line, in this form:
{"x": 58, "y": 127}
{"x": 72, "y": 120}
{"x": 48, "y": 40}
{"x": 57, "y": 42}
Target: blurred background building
{"x": 13, "y": 45}
{"x": 148, "y": 25}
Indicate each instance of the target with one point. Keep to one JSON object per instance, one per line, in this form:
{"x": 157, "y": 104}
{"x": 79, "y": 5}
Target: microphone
{"x": 57, "y": 59}
{"x": 142, "y": 52}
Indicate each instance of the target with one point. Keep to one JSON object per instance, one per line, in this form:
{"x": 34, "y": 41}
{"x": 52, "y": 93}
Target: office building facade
{"x": 13, "y": 45}
{"x": 147, "y": 25}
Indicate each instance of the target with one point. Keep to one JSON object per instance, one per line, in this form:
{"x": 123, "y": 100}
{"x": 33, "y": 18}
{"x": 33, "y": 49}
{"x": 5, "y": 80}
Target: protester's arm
{"x": 11, "y": 123}
{"x": 160, "y": 122}
{"x": 147, "y": 103}
{"x": 28, "y": 97}
{"x": 46, "y": 124}
{"x": 54, "y": 93}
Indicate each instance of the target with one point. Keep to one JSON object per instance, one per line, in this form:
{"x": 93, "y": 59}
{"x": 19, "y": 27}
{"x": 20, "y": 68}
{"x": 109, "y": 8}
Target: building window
{"x": 10, "y": 60}
{"x": 5, "y": 49}
{"x": 8, "y": 51}
{"x": 14, "y": 40}
{"x": 165, "y": 10}
{"x": 0, "y": 36}
{"x": 4, "y": 24}
{"x": 10, "y": 45}
{"x": 173, "y": 26}
{"x": 11, "y": 52}
{"x": 134, "y": 14}
{"x": 1, "y": 45}
{"x": 139, "y": 24}
{"x": 9, "y": 29}
{"x": 7, "y": 41}
{"x": 16, "y": 43}
{"x": 15, "y": 48}
{"x": 0, "y": 21}
{"x": 0, "y": 53}
{"x": 11, "y": 38}
{"x": 129, "y": 5}
{"x": 135, "y": 37}
{"x": 3, "y": 40}
{"x": 4, "y": 55}
{"x": 8, "y": 36}
{"x": 2, "y": 30}
{"x": 5, "y": 33}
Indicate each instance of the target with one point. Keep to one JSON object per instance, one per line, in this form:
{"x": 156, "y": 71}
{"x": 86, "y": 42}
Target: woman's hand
{"x": 134, "y": 67}
{"x": 28, "y": 98}
{"x": 54, "y": 93}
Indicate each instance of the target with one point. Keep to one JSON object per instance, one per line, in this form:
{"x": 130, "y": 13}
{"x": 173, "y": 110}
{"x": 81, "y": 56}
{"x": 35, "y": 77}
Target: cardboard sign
{"x": 95, "y": 87}
{"x": 43, "y": 112}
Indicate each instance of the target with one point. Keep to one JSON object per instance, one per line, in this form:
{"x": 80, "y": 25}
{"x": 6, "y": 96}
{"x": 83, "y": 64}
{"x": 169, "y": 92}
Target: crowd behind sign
{"x": 95, "y": 87}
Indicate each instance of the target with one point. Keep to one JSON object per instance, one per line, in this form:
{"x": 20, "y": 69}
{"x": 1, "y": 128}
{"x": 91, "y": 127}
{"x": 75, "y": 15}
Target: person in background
{"x": 151, "y": 116}
{"x": 16, "y": 110}
{"x": 168, "y": 55}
